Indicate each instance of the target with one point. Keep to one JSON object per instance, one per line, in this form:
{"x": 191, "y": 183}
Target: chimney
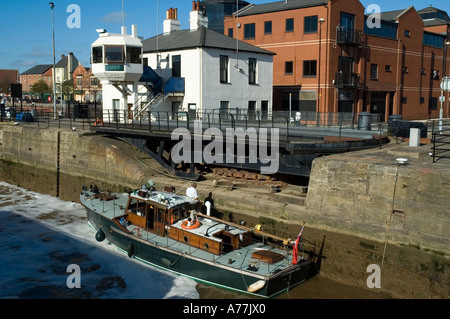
{"x": 134, "y": 31}
{"x": 171, "y": 23}
{"x": 197, "y": 18}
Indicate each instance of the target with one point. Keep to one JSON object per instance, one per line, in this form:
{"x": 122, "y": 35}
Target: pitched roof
{"x": 280, "y": 6}
{"x": 62, "y": 63}
{"x": 38, "y": 69}
{"x": 201, "y": 38}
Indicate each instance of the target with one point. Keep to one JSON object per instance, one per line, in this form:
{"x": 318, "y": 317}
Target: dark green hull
{"x": 196, "y": 268}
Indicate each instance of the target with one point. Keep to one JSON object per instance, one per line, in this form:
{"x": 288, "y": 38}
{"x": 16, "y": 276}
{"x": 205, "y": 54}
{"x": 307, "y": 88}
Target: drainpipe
{"x": 398, "y": 78}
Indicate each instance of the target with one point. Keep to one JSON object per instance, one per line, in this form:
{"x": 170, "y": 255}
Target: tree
{"x": 67, "y": 88}
{"x": 40, "y": 87}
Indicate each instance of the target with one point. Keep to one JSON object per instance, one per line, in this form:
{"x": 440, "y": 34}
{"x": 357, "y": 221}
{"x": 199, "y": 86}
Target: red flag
{"x": 295, "y": 250}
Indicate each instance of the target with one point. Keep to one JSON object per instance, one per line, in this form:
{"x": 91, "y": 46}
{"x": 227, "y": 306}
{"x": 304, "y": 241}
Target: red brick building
{"x": 86, "y": 87}
{"x": 331, "y": 57}
{"x": 35, "y": 74}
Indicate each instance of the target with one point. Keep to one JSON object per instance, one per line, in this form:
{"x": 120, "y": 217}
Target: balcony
{"x": 346, "y": 36}
{"x": 346, "y": 80}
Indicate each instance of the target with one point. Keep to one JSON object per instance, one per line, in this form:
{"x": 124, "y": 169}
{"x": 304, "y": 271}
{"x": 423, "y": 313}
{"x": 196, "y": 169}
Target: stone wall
{"x": 353, "y": 193}
{"x": 372, "y": 195}
{"x": 80, "y": 154}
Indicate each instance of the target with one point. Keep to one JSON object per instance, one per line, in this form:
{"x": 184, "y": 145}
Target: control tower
{"x": 117, "y": 62}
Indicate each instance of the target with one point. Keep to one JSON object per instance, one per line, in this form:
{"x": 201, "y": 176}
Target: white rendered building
{"x": 199, "y": 70}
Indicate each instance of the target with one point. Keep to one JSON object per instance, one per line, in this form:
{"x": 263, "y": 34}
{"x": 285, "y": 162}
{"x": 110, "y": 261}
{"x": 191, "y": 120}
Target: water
{"x": 42, "y": 235}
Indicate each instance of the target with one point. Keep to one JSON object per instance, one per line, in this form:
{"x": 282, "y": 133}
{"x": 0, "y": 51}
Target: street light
{"x": 52, "y": 5}
{"x": 444, "y": 78}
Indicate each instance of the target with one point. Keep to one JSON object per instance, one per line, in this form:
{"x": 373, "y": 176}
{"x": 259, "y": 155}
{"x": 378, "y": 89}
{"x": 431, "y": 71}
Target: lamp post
{"x": 444, "y": 79}
{"x": 52, "y": 5}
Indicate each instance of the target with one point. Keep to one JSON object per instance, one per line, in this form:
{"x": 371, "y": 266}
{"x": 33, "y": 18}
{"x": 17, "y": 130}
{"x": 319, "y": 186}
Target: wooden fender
{"x": 256, "y": 286}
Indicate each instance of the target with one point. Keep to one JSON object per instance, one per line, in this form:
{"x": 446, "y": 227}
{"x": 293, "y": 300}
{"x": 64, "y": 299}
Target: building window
{"x": 407, "y": 33}
{"x": 310, "y": 68}
{"x": 176, "y": 66}
{"x": 386, "y": 30}
{"x": 310, "y": 25}
{"x": 405, "y": 69}
{"x": 374, "y": 71}
{"x": 404, "y": 100}
{"x": 133, "y": 55}
{"x": 249, "y": 31}
{"x": 433, "y": 39}
{"x": 435, "y": 75}
{"x": 290, "y": 25}
{"x": 268, "y": 27}
{"x": 79, "y": 81}
{"x": 251, "y": 71}
{"x": 288, "y": 67}
{"x": 114, "y": 54}
{"x": 223, "y": 69}
{"x": 230, "y": 32}
{"x": 94, "y": 81}
{"x": 387, "y": 68}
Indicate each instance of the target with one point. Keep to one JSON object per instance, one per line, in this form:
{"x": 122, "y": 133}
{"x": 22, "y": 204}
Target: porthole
{"x": 186, "y": 239}
{"x": 206, "y": 246}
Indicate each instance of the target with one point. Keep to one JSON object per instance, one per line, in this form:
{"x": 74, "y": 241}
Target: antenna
{"x": 157, "y": 34}
{"x": 237, "y": 34}
{"x": 123, "y": 14}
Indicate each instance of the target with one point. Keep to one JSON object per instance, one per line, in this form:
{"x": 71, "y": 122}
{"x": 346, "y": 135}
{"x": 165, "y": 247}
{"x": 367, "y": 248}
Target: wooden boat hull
{"x": 206, "y": 271}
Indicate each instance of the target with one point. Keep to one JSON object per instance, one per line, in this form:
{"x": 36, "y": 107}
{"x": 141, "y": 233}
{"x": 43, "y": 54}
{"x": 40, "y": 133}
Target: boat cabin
{"x": 176, "y": 217}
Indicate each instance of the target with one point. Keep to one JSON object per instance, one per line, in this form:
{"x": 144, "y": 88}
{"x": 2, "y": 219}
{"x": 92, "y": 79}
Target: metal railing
{"x": 348, "y": 36}
{"x": 218, "y": 118}
{"x": 167, "y": 121}
{"x": 440, "y": 139}
{"x": 347, "y": 80}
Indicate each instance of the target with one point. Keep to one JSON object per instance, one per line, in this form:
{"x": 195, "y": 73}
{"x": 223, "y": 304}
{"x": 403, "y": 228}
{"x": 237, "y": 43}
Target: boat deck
{"x": 238, "y": 259}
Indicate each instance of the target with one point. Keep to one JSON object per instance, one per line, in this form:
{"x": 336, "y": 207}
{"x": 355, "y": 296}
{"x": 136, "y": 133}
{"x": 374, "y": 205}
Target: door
{"x": 176, "y": 107}
{"x": 345, "y": 71}
{"x": 378, "y": 103}
{"x": 192, "y": 109}
{"x": 264, "y": 109}
{"x": 251, "y": 110}
{"x": 347, "y": 24}
{"x": 345, "y": 102}
{"x": 160, "y": 218}
{"x": 347, "y": 21}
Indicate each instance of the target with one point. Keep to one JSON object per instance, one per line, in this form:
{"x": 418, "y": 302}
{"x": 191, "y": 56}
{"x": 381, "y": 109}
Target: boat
{"x": 175, "y": 233}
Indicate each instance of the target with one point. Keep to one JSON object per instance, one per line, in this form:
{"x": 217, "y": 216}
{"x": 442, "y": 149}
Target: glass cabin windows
{"x": 117, "y": 54}
{"x": 114, "y": 54}
{"x": 97, "y": 54}
{"x": 134, "y": 55}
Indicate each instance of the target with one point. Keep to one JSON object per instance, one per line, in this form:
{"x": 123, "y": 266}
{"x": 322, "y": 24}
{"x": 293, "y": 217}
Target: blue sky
{"x": 26, "y": 25}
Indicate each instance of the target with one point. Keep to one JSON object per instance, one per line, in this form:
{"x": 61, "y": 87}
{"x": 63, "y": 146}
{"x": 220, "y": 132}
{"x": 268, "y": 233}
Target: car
{"x": 24, "y": 117}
